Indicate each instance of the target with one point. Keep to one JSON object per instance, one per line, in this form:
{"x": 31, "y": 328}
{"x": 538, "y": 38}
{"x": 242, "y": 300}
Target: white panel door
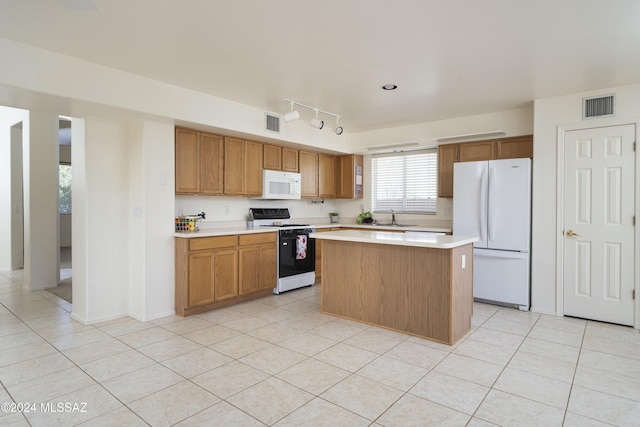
{"x": 599, "y": 197}
{"x": 470, "y": 181}
{"x": 509, "y": 206}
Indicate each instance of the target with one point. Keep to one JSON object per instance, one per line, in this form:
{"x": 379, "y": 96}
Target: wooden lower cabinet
{"x": 213, "y": 272}
{"x": 213, "y": 276}
{"x": 257, "y": 254}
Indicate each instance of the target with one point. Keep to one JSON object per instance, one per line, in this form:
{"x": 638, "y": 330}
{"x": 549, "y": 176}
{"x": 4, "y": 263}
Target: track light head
{"x": 318, "y": 124}
{"x": 339, "y": 129}
{"x": 291, "y": 116}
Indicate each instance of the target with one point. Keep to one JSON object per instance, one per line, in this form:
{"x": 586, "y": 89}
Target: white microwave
{"x": 277, "y": 185}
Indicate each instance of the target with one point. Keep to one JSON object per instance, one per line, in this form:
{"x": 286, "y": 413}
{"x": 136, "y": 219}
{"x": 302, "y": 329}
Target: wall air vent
{"x": 598, "y": 107}
{"x": 272, "y": 123}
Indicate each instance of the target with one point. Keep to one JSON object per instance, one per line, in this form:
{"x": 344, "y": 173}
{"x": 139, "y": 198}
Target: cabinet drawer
{"x": 201, "y": 243}
{"x": 257, "y": 238}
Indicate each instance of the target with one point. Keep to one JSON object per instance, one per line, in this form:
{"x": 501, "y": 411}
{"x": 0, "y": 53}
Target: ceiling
{"x": 448, "y": 58}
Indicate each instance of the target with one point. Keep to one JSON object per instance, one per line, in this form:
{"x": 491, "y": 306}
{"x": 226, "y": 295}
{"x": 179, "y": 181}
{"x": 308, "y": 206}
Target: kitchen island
{"x": 418, "y": 284}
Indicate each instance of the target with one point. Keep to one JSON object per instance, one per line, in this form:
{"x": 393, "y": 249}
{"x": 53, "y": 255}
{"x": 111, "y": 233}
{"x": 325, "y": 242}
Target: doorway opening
{"x": 64, "y": 288}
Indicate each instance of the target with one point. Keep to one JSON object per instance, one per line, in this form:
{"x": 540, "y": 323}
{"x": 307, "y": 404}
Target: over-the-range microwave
{"x": 278, "y": 185}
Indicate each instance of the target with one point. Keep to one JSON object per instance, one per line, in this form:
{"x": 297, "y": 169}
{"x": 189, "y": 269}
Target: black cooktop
{"x": 270, "y": 213}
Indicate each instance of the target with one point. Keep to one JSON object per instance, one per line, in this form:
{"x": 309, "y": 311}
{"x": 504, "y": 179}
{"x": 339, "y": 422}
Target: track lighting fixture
{"x": 291, "y": 115}
{"x": 315, "y": 122}
{"x": 318, "y": 124}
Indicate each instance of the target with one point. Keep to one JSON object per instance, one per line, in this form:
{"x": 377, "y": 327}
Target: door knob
{"x": 570, "y": 233}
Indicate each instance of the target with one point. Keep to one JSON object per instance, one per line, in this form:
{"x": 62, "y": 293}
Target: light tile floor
{"x": 279, "y": 361}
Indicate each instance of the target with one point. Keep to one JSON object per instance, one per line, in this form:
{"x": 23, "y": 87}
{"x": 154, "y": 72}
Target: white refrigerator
{"x": 492, "y": 200}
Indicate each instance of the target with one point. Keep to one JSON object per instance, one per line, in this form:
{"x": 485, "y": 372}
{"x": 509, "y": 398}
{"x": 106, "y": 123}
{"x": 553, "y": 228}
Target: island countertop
{"x": 423, "y": 240}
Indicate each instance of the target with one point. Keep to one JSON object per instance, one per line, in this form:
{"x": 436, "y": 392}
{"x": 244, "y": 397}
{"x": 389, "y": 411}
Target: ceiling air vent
{"x": 598, "y": 106}
{"x": 272, "y": 123}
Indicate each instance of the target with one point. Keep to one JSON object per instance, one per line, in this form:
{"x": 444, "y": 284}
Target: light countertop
{"x": 399, "y": 239}
{"x": 225, "y": 231}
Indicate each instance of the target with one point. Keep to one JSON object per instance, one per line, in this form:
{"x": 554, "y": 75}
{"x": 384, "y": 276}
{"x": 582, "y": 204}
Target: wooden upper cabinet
{"x": 186, "y": 161}
{"x": 308, "y": 163}
{"x": 494, "y": 149}
{"x": 233, "y": 166}
{"x": 516, "y": 147}
{"x": 253, "y": 168}
{"x": 272, "y": 157}
{"x": 289, "y": 159}
{"x": 447, "y": 156}
{"x": 242, "y": 167}
{"x": 474, "y": 151}
{"x": 211, "y": 164}
{"x": 349, "y": 177}
{"x": 326, "y": 176}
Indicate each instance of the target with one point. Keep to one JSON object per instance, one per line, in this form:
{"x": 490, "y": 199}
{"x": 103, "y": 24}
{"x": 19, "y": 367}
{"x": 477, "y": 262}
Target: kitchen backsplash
{"x": 235, "y": 209}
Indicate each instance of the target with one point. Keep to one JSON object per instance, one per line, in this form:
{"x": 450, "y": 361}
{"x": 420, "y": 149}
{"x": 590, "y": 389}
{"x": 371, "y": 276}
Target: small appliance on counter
{"x": 296, "y": 254}
{"x": 189, "y": 222}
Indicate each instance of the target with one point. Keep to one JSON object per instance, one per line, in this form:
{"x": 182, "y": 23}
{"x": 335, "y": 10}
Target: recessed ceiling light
{"x": 390, "y": 87}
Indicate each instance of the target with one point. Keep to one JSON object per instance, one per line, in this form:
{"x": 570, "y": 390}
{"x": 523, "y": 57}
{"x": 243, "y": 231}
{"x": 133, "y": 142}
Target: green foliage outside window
{"x": 64, "y": 190}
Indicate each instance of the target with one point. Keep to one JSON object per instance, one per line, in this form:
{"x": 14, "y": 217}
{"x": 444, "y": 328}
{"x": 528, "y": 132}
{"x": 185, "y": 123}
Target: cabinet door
{"x": 475, "y": 151}
{"x": 326, "y": 175}
{"x": 249, "y": 258}
{"x": 447, "y": 156}
{"x": 233, "y": 166}
{"x": 253, "y": 168}
{"x": 272, "y": 157}
{"x": 225, "y": 274}
{"x": 186, "y": 157}
{"x": 349, "y": 177}
{"x": 267, "y": 266}
{"x": 289, "y": 159}
{"x": 211, "y": 164}
{"x": 513, "y": 148}
{"x": 309, "y": 173}
{"x": 201, "y": 278}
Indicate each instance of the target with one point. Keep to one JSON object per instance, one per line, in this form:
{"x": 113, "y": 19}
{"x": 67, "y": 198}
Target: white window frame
{"x": 412, "y": 175}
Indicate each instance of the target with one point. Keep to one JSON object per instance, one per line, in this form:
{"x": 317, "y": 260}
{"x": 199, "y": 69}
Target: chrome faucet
{"x": 393, "y": 217}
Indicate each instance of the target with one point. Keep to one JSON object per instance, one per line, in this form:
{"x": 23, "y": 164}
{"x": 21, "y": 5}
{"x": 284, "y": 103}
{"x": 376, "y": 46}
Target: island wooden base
{"x": 421, "y": 291}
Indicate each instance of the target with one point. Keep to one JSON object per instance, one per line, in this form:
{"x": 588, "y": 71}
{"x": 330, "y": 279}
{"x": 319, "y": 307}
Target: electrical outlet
{"x": 227, "y": 210}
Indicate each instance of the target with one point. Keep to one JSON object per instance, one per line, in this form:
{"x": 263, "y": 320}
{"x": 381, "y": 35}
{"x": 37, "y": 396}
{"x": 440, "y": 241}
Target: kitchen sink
{"x": 393, "y": 225}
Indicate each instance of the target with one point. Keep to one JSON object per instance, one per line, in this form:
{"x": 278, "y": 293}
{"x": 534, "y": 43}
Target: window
{"x": 64, "y": 189}
{"x": 405, "y": 182}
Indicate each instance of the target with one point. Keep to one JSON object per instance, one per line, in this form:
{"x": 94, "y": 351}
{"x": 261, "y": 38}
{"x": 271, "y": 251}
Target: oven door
{"x": 296, "y": 253}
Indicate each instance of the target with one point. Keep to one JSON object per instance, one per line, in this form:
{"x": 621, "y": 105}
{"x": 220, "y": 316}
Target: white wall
{"x": 101, "y": 213}
{"x": 550, "y": 114}
{"x": 41, "y": 202}
{"x": 151, "y": 213}
{"x": 17, "y": 203}
{"x": 10, "y": 177}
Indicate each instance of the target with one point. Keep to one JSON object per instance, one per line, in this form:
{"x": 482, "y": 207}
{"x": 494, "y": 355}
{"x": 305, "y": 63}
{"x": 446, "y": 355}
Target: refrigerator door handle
{"x": 492, "y": 198}
{"x": 483, "y": 205}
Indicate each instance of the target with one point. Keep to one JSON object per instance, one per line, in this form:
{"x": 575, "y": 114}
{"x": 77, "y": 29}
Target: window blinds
{"x": 405, "y": 182}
